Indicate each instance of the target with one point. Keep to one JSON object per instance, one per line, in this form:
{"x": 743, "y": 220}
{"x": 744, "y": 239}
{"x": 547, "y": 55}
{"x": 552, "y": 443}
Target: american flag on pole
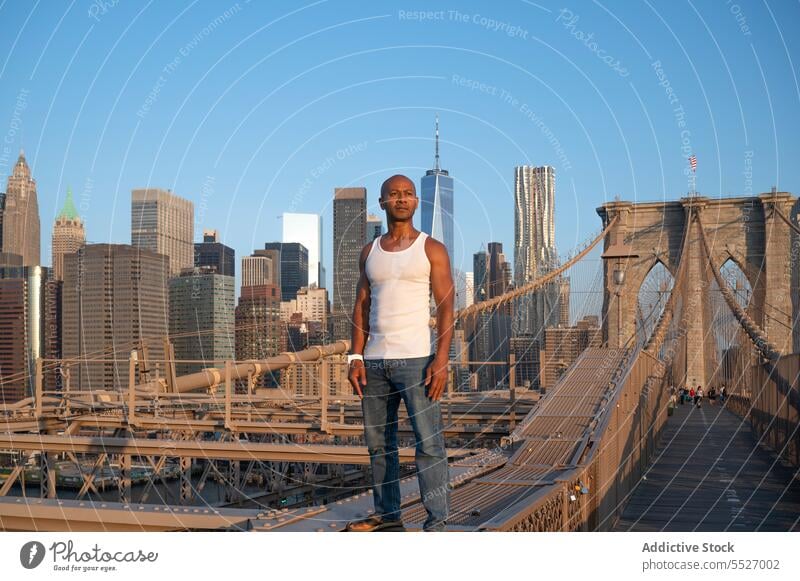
{"x": 693, "y": 162}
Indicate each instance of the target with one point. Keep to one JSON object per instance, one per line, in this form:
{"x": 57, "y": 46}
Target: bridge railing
{"x": 626, "y": 443}
{"x": 772, "y": 405}
{"x": 313, "y": 381}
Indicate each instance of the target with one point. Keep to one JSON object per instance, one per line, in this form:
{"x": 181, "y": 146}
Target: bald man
{"x": 392, "y": 357}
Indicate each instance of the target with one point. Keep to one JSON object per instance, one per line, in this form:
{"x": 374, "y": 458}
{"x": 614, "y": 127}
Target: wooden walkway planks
{"x": 727, "y": 482}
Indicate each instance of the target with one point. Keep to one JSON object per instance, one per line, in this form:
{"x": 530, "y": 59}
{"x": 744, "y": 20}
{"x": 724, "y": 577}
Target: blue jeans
{"x": 388, "y": 382}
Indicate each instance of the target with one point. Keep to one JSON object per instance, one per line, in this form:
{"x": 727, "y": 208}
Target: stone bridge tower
{"x": 746, "y": 230}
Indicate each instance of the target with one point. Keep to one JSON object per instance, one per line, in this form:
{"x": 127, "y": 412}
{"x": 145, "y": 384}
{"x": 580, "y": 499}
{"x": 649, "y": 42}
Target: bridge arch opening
{"x": 738, "y": 282}
{"x": 652, "y": 299}
{"x": 729, "y": 337}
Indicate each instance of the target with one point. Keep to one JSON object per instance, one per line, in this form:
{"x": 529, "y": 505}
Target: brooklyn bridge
{"x": 694, "y": 292}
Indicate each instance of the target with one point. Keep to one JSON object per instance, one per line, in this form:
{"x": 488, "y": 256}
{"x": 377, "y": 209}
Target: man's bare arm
{"x": 358, "y": 338}
{"x": 444, "y": 295}
{"x": 361, "y": 308}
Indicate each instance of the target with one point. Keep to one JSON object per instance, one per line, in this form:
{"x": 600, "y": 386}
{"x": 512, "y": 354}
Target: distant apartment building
{"x": 526, "y": 349}
{"x": 309, "y": 379}
{"x": 563, "y": 345}
{"x": 258, "y": 327}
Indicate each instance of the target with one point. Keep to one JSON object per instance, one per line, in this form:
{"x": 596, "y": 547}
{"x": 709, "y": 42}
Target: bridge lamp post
{"x": 619, "y": 252}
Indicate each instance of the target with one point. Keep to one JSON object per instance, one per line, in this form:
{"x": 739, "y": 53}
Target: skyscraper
{"x": 459, "y": 355}
{"x": 499, "y": 271}
{"x": 29, "y": 326}
{"x": 489, "y": 332}
{"x": 258, "y": 326}
{"x": 164, "y": 223}
{"x": 349, "y": 233}
{"x": 212, "y": 252}
{"x": 114, "y": 298}
{"x": 534, "y": 223}
{"x": 263, "y": 267}
{"x": 307, "y": 230}
{"x": 294, "y": 267}
{"x": 257, "y": 270}
{"x": 374, "y": 227}
{"x": 534, "y": 246}
{"x": 563, "y": 301}
{"x": 460, "y": 283}
{"x": 68, "y": 235}
{"x": 480, "y": 273}
{"x": 469, "y": 289}
{"x": 437, "y": 203}
{"x": 500, "y": 325}
{"x": 21, "y": 215}
{"x": 14, "y": 339}
{"x": 201, "y": 318}
{"x": 2, "y": 213}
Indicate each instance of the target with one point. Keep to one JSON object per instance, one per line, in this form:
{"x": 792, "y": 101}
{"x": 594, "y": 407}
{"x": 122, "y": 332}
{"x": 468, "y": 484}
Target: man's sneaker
{"x": 372, "y": 524}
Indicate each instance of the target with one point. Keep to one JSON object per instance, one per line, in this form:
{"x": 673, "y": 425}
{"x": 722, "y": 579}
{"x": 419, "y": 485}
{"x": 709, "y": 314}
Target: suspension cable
{"x": 535, "y": 284}
{"x": 783, "y": 217}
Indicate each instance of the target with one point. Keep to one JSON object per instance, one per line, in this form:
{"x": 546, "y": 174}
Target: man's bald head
{"x": 397, "y": 182}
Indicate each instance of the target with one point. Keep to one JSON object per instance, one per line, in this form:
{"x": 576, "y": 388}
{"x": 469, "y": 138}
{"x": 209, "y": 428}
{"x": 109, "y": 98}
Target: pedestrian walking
{"x": 699, "y": 395}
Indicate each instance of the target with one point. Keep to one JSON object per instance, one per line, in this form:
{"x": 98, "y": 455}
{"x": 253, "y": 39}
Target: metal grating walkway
{"x": 709, "y": 474}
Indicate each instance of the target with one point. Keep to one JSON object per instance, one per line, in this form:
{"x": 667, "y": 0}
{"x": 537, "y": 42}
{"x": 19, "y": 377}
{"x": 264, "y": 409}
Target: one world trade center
{"x": 437, "y": 203}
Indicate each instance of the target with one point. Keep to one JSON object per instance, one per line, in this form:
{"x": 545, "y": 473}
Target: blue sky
{"x": 251, "y": 109}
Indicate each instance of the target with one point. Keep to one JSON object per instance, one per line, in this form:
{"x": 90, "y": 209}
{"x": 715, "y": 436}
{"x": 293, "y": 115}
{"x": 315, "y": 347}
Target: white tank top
{"x": 399, "y": 310}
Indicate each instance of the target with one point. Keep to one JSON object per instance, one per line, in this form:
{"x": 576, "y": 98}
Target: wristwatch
{"x": 355, "y": 357}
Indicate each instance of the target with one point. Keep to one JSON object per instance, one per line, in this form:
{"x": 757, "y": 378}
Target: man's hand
{"x": 436, "y": 378}
{"x": 357, "y": 376}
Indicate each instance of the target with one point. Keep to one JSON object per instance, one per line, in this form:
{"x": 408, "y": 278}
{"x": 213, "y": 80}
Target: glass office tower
{"x": 307, "y": 230}
{"x": 437, "y": 203}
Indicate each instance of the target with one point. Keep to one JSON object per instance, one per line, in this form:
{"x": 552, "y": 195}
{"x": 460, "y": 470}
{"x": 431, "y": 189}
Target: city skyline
{"x": 169, "y": 228}
{"x": 163, "y": 219}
